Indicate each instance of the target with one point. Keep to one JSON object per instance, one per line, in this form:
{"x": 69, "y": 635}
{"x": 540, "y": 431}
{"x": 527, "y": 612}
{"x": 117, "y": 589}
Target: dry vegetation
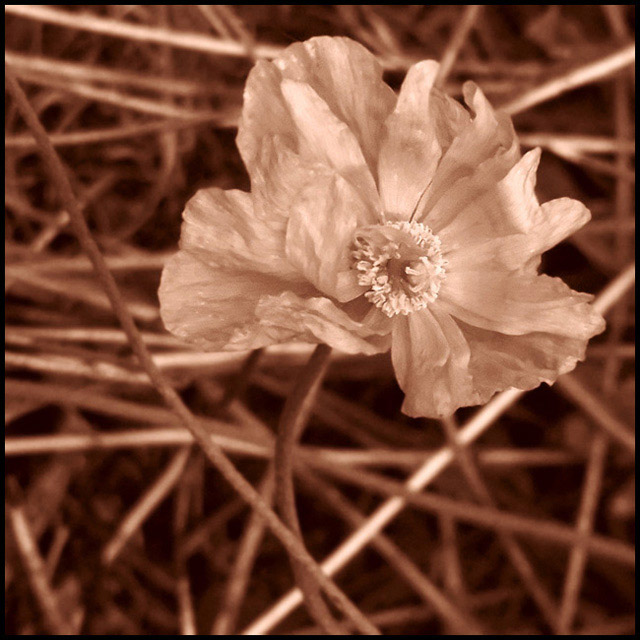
{"x": 118, "y": 524}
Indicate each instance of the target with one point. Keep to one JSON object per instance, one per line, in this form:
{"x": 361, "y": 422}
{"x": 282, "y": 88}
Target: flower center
{"x": 401, "y": 263}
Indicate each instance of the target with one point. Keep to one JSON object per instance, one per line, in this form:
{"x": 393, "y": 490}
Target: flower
{"x": 380, "y": 222}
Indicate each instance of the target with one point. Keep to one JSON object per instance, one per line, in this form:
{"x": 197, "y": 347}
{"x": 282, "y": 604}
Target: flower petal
{"x": 264, "y": 113}
{"x": 519, "y": 303}
{"x": 221, "y": 229}
{"x": 322, "y": 224}
{"x": 483, "y": 152}
{"x": 340, "y": 71}
{"x": 293, "y": 318}
{"x": 206, "y": 304}
{"x": 499, "y": 362}
{"x": 277, "y": 180}
{"x": 348, "y": 78}
{"x": 482, "y": 207}
{"x": 431, "y": 358}
{"x": 553, "y": 222}
{"x": 325, "y": 138}
{"x": 410, "y": 150}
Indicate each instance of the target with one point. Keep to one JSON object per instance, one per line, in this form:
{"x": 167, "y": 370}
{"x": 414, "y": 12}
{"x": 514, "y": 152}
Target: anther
{"x": 401, "y": 263}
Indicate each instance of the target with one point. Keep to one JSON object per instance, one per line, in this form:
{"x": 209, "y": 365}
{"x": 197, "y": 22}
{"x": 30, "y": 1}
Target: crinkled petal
{"x": 483, "y": 152}
{"x": 483, "y": 207}
{"x": 205, "y": 304}
{"x": 431, "y": 360}
{"x": 410, "y": 150}
{"x": 323, "y": 137}
{"x": 349, "y": 80}
{"x": 553, "y": 222}
{"x": 340, "y": 71}
{"x": 264, "y": 114}
{"x": 322, "y": 224}
{"x": 519, "y": 303}
{"x": 277, "y": 180}
{"x": 289, "y": 317}
{"x": 504, "y": 225}
{"x": 499, "y": 362}
{"x": 221, "y": 229}
{"x": 449, "y": 116}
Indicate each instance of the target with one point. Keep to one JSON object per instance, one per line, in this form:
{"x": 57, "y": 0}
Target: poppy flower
{"x": 379, "y": 221}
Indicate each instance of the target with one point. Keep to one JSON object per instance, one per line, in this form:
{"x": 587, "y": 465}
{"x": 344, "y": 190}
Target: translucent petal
{"x": 482, "y": 152}
{"x": 325, "y": 138}
{"x": 499, "y": 362}
{"x": 277, "y": 180}
{"x": 518, "y": 303}
{"x": 221, "y": 229}
{"x": 349, "y": 79}
{"x": 552, "y": 223}
{"x": 410, "y": 150}
{"x": 486, "y": 205}
{"x": 340, "y": 71}
{"x": 431, "y": 359}
{"x": 264, "y": 114}
{"x": 321, "y": 228}
{"x": 315, "y": 319}
{"x": 207, "y": 304}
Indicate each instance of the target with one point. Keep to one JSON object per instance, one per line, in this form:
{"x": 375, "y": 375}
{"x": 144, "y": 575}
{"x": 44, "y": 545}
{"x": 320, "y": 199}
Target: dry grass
{"x": 517, "y": 518}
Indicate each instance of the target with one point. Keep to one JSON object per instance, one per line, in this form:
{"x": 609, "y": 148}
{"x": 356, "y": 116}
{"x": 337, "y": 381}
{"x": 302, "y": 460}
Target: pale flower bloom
{"x": 380, "y": 222}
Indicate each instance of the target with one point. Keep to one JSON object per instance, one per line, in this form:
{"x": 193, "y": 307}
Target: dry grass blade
{"x": 463, "y": 622}
{"x": 460, "y": 34}
{"x": 240, "y": 574}
{"x": 55, "y": 617}
{"x": 146, "y": 505}
{"x": 598, "y": 412}
{"x": 516, "y": 555}
{"x": 584, "y": 526}
{"x": 120, "y": 29}
{"x": 591, "y": 72}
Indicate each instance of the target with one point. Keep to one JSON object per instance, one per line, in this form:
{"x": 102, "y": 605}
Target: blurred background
{"x": 116, "y": 524}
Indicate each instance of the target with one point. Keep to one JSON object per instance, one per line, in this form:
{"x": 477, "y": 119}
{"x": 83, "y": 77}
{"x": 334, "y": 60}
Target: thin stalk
{"x": 292, "y": 423}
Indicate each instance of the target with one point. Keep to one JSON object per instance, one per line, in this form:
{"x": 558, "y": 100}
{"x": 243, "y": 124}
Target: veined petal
{"x": 449, "y": 116}
{"x": 264, "y": 113}
{"x": 340, "y": 71}
{"x": 553, "y": 222}
{"x": 519, "y": 303}
{"x": 431, "y": 358}
{"x": 322, "y": 225}
{"x": 504, "y": 225}
{"x": 315, "y": 319}
{"x": 323, "y": 137}
{"x": 410, "y": 150}
{"x": 481, "y": 206}
{"x": 499, "y": 362}
{"x": 277, "y": 179}
{"x": 348, "y": 78}
{"x": 205, "y": 304}
{"x": 221, "y": 229}
{"x": 483, "y": 152}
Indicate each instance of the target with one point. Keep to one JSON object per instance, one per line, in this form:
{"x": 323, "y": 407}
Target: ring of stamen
{"x": 401, "y": 263}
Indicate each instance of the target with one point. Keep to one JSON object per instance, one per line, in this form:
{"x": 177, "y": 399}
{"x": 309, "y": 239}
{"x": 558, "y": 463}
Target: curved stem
{"x": 292, "y": 423}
